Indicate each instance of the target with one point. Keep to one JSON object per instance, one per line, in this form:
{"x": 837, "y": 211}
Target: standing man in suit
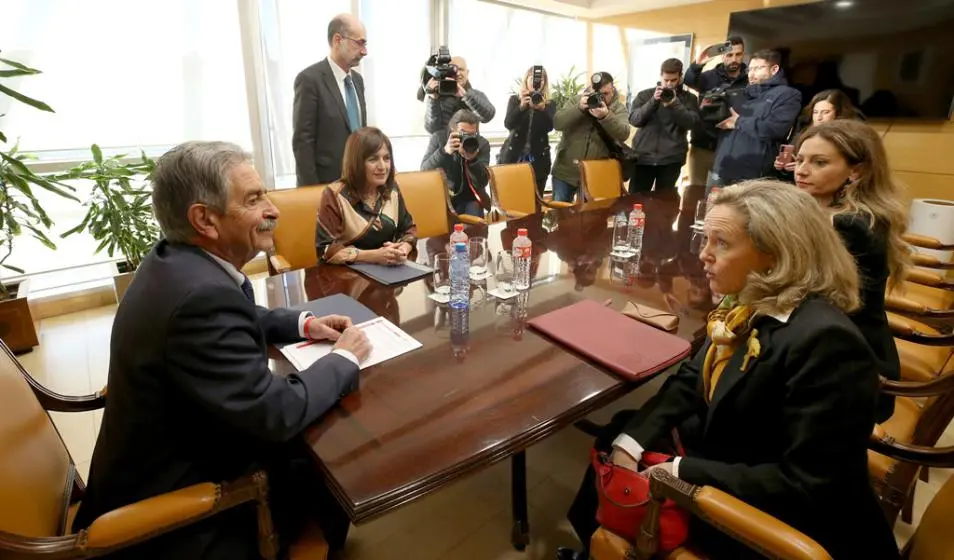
{"x": 191, "y": 398}
{"x": 329, "y": 104}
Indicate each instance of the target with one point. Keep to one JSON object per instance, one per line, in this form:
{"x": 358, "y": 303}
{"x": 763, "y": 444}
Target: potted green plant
{"x": 119, "y": 210}
{"x": 20, "y": 212}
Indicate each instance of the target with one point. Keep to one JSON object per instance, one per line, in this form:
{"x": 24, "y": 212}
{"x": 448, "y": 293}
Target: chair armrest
{"x": 471, "y": 220}
{"x": 939, "y": 457}
{"x": 55, "y": 402}
{"x": 937, "y": 386}
{"x": 161, "y": 514}
{"x": 279, "y": 264}
{"x": 514, "y": 215}
{"x": 928, "y": 278}
{"x": 928, "y": 261}
{"x": 926, "y": 242}
{"x": 744, "y": 523}
{"x": 557, "y": 204}
{"x": 903, "y": 305}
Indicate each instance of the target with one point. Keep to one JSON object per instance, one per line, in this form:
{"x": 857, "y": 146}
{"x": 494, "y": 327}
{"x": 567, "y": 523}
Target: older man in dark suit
{"x": 191, "y": 398}
{"x": 329, "y": 104}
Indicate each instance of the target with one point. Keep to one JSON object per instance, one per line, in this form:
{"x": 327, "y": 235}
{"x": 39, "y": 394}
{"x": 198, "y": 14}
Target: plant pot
{"x": 122, "y": 280}
{"x": 16, "y": 322}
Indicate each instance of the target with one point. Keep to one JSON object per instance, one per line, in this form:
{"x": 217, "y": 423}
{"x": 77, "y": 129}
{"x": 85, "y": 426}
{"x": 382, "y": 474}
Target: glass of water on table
{"x": 442, "y": 287}
{"x": 504, "y": 273}
{"x": 479, "y": 258}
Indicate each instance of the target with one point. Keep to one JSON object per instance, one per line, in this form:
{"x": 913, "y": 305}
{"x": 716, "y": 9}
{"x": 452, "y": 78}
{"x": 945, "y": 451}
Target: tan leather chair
{"x": 295, "y": 233}
{"x": 730, "y": 515}
{"x": 933, "y": 539}
{"x": 513, "y": 188}
{"x": 601, "y": 179}
{"x": 427, "y": 198}
{"x": 40, "y": 489}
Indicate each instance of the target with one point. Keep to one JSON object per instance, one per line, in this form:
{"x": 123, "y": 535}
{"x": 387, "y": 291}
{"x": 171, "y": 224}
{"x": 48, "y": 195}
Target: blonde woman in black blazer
{"x": 777, "y": 406}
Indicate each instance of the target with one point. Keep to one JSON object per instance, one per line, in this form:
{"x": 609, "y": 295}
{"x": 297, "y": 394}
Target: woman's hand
{"x": 779, "y": 166}
{"x": 623, "y": 459}
{"x": 404, "y": 247}
{"x": 524, "y": 98}
{"x": 389, "y": 255}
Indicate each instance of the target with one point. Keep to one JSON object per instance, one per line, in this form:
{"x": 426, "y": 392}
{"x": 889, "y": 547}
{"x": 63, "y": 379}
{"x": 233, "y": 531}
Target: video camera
{"x": 440, "y": 68}
{"x": 716, "y": 104}
{"x": 536, "y": 84}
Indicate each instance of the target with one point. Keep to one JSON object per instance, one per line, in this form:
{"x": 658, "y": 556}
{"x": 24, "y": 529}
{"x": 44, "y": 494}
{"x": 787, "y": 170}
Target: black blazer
{"x": 869, "y": 247}
{"x": 191, "y": 399}
{"x": 789, "y": 435}
{"x": 321, "y": 123}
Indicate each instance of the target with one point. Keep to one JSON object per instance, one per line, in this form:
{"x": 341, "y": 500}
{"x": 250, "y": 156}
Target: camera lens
{"x": 667, "y": 95}
{"x": 594, "y": 100}
{"x": 536, "y": 98}
{"x": 470, "y": 144}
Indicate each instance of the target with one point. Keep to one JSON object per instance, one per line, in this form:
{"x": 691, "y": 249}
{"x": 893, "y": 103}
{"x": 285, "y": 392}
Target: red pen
{"x": 306, "y": 343}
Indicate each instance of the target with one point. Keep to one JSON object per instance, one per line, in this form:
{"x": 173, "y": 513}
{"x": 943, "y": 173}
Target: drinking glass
{"x": 503, "y": 272}
{"x": 621, "y": 246}
{"x": 478, "y": 257}
{"x": 697, "y": 241}
{"x": 701, "y": 208}
{"x": 442, "y": 284}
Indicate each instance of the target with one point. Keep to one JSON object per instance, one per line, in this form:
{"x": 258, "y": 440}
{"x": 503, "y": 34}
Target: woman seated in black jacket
{"x": 530, "y": 120}
{"x": 777, "y": 406}
{"x": 844, "y": 166}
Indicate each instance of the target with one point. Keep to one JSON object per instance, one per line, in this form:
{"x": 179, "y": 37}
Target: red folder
{"x": 631, "y": 349}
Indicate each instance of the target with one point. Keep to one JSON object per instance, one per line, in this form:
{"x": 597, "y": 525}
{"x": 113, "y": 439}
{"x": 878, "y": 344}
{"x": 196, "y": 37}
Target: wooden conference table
{"x": 465, "y": 401}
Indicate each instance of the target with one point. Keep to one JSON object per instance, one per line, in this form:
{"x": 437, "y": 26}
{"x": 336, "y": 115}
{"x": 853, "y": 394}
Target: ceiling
{"x": 593, "y": 9}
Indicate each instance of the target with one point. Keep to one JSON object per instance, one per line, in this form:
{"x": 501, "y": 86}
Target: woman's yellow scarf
{"x": 728, "y": 324}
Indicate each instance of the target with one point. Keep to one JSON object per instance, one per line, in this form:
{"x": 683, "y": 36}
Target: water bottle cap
{"x": 458, "y": 227}
{"x": 637, "y": 206}
{"x": 522, "y": 231}
{"x": 460, "y": 247}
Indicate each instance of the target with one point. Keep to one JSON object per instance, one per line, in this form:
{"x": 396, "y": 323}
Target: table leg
{"x": 520, "y": 534}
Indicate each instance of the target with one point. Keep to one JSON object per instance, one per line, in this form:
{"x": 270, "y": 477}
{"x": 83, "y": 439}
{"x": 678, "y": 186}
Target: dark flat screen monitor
{"x": 893, "y": 58}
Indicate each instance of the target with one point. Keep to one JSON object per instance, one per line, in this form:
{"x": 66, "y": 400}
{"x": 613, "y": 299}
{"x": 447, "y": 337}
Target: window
{"x": 501, "y": 43}
{"x": 609, "y": 55}
{"x": 169, "y": 72}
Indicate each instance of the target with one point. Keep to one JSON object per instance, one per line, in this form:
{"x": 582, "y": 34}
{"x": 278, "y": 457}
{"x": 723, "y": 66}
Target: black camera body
{"x": 667, "y": 95}
{"x": 716, "y": 105}
{"x": 440, "y": 68}
{"x": 594, "y": 99}
{"x": 470, "y": 143}
{"x": 536, "y": 85}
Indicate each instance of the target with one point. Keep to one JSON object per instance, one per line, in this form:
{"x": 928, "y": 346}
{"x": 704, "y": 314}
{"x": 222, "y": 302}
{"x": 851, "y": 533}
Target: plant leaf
{"x": 24, "y": 99}
{"x": 16, "y": 269}
{"x": 19, "y": 66}
{"x": 97, "y": 154}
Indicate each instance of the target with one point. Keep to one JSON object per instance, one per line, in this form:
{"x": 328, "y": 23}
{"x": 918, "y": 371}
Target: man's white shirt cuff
{"x": 346, "y": 354}
{"x": 630, "y": 446}
{"x": 301, "y": 323}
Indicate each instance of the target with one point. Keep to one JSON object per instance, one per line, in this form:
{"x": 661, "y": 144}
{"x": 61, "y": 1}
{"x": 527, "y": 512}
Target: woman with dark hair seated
{"x": 844, "y": 166}
{"x": 777, "y": 406}
{"x": 362, "y": 217}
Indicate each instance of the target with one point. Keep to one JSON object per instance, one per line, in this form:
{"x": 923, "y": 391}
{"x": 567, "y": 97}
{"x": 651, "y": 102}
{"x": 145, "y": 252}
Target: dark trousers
{"x": 467, "y": 206}
{"x": 644, "y": 176}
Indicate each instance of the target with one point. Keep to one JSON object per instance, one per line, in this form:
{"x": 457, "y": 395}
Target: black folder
{"x": 338, "y": 304}
{"x": 392, "y": 275}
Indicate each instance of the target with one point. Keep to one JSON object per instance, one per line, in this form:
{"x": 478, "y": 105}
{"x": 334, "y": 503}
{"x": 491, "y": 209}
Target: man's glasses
{"x": 363, "y": 43}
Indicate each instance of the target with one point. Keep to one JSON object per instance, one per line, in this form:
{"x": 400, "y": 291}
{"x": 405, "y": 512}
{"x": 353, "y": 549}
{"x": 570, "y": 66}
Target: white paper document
{"x": 387, "y": 341}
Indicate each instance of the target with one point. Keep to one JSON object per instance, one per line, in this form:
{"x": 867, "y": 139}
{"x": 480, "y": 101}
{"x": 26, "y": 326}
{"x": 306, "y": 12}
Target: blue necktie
{"x": 247, "y": 290}
{"x": 351, "y": 104}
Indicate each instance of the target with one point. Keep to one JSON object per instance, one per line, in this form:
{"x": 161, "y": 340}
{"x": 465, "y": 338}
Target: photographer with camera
{"x": 448, "y": 90}
{"x": 748, "y": 149}
{"x": 593, "y": 128}
{"x": 464, "y": 156}
{"x": 664, "y": 116}
{"x": 729, "y": 78}
{"x": 530, "y": 120}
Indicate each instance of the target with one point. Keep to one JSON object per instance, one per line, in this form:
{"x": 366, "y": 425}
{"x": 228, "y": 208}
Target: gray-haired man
{"x": 191, "y": 398}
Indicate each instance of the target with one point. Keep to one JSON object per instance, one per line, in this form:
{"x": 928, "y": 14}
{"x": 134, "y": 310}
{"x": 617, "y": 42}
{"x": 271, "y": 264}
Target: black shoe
{"x": 564, "y": 553}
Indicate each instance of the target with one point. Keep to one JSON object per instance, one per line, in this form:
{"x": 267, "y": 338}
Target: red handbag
{"x": 624, "y": 500}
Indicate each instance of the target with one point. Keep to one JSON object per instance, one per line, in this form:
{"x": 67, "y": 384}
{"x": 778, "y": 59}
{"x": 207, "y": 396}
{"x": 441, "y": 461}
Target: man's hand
{"x": 460, "y": 90}
{"x": 703, "y": 56}
{"x": 623, "y": 459}
{"x": 432, "y": 86}
{"x": 328, "y": 327}
{"x": 453, "y": 143}
{"x": 668, "y": 466}
{"x": 355, "y": 341}
{"x": 583, "y": 105}
{"x": 729, "y": 123}
{"x": 600, "y": 112}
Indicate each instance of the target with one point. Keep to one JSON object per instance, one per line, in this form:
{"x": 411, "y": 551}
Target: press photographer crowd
{"x": 733, "y": 121}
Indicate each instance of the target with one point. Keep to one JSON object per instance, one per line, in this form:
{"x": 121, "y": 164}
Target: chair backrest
{"x": 425, "y": 194}
{"x": 514, "y": 187}
{"x": 934, "y": 539}
{"x": 601, "y": 179}
{"x": 295, "y": 233}
{"x": 36, "y": 471}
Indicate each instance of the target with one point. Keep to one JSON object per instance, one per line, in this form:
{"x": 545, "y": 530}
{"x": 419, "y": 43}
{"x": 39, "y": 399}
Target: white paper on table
{"x": 387, "y": 341}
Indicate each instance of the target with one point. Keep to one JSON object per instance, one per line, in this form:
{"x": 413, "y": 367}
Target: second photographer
{"x": 441, "y": 103}
{"x": 598, "y": 106}
{"x": 530, "y": 120}
{"x": 664, "y": 116}
{"x": 464, "y": 156}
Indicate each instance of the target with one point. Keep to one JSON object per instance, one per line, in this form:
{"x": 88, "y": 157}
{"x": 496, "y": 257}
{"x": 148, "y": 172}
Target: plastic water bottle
{"x": 458, "y": 236}
{"x": 460, "y": 332}
{"x": 460, "y": 277}
{"x": 637, "y": 223}
{"x": 521, "y": 260}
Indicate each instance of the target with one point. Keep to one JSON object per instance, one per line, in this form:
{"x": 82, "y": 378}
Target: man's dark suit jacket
{"x": 789, "y": 434}
{"x": 191, "y": 399}
{"x": 321, "y": 123}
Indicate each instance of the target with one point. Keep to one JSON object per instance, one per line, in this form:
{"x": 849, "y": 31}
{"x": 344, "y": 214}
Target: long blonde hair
{"x": 809, "y": 257}
{"x": 545, "y": 90}
{"x": 875, "y": 194}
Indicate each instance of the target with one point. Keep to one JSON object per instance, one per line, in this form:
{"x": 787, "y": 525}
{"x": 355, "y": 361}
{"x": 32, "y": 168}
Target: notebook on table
{"x": 393, "y": 275}
{"x": 338, "y": 304}
{"x": 631, "y": 349}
